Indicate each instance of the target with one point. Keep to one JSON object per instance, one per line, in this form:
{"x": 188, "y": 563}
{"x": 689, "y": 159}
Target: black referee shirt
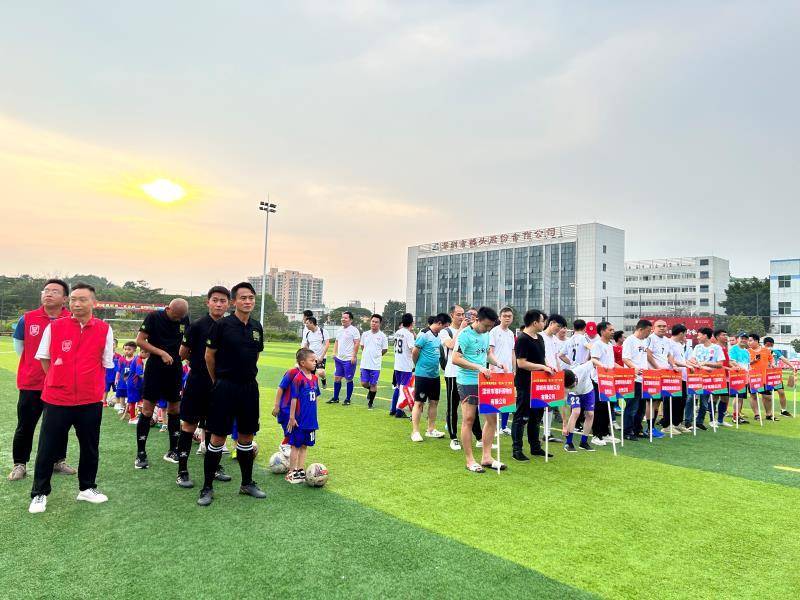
{"x": 238, "y": 346}
{"x": 162, "y": 332}
{"x": 195, "y": 339}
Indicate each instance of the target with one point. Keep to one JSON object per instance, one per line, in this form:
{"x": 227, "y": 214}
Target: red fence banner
{"x": 716, "y": 381}
{"x": 671, "y": 384}
{"x": 547, "y": 390}
{"x": 651, "y": 384}
{"x": 496, "y": 395}
{"x": 774, "y": 380}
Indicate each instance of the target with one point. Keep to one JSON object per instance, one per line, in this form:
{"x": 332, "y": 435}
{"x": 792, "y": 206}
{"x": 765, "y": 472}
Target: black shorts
{"x": 162, "y": 382}
{"x": 426, "y": 388}
{"x": 196, "y": 399}
{"x": 229, "y": 401}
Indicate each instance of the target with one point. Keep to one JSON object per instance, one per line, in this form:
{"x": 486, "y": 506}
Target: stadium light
{"x": 268, "y": 208}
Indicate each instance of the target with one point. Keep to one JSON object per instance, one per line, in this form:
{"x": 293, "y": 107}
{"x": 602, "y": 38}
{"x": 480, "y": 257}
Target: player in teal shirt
{"x": 471, "y": 357}
{"x": 740, "y": 358}
{"x": 427, "y": 383}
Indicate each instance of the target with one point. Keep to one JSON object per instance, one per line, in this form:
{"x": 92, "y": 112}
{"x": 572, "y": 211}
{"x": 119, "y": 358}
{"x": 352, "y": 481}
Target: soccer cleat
{"x": 400, "y": 414}
{"x": 586, "y": 446}
{"x": 726, "y": 424}
{"x": 434, "y": 433}
{"x": 568, "y": 447}
{"x": 93, "y": 496}
{"x": 455, "y": 445}
{"x": 206, "y": 497}
{"x": 346, "y": 403}
{"x": 743, "y": 421}
{"x": 171, "y": 457}
{"x": 701, "y": 426}
{"x": 141, "y": 462}
{"x": 62, "y": 467}
{"x": 416, "y": 437}
{"x": 520, "y": 457}
{"x": 18, "y": 472}
{"x": 333, "y": 401}
{"x": 771, "y": 418}
{"x": 598, "y": 441}
{"x": 201, "y": 449}
{"x": 252, "y": 489}
{"x": 183, "y": 481}
{"x": 506, "y": 431}
{"x": 630, "y": 437}
{"x": 221, "y": 475}
{"x": 38, "y": 504}
{"x": 541, "y": 452}
{"x": 369, "y": 405}
{"x": 786, "y": 413}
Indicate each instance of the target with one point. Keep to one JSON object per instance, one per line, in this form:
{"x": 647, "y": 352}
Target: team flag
{"x": 737, "y": 380}
{"x": 547, "y": 390}
{"x": 605, "y": 384}
{"x": 651, "y": 384}
{"x": 625, "y": 383}
{"x": 757, "y": 382}
{"x": 695, "y": 383}
{"x": 774, "y": 380}
{"x": 496, "y": 395}
{"x": 407, "y": 392}
{"x": 671, "y": 384}
{"x": 716, "y": 381}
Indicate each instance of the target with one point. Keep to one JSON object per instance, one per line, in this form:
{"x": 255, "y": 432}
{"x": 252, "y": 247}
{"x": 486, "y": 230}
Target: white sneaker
{"x": 133, "y": 421}
{"x": 726, "y": 424}
{"x": 201, "y": 449}
{"x": 479, "y": 444}
{"x": 611, "y": 439}
{"x": 93, "y": 496}
{"x": 617, "y": 426}
{"x": 286, "y": 449}
{"x": 38, "y": 504}
{"x": 506, "y": 431}
{"x": 416, "y": 437}
{"x": 434, "y": 433}
{"x": 598, "y": 441}
{"x": 455, "y": 445}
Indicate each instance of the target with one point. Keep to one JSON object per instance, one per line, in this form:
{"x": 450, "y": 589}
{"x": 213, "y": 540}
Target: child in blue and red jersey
{"x": 111, "y": 377}
{"x": 123, "y": 370}
{"x": 283, "y": 399}
{"x": 302, "y": 425}
{"x": 135, "y": 384}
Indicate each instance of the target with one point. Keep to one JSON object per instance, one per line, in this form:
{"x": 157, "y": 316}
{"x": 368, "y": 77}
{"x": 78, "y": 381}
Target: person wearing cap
{"x": 74, "y": 353}
{"x": 779, "y": 360}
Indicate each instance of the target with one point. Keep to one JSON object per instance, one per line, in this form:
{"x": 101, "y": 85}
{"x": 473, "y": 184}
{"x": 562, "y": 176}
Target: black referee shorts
{"x": 162, "y": 382}
{"x": 196, "y": 399}
{"x": 229, "y": 401}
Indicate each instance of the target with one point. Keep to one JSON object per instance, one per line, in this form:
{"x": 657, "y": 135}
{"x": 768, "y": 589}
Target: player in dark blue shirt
{"x": 302, "y": 425}
{"x": 283, "y": 399}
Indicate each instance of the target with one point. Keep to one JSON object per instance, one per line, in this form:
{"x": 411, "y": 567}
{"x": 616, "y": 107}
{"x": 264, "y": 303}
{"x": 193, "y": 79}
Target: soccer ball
{"x": 278, "y": 463}
{"x": 316, "y": 475}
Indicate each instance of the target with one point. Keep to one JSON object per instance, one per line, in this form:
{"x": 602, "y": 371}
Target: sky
{"x": 378, "y": 125}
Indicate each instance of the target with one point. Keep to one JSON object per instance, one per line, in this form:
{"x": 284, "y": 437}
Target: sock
{"x": 206, "y": 438}
{"x": 337, "y": 387}
{"x": 285, "y": 440}
{"x": 324, "y": 381}
{"x": 132, "y": 411}
{"x": 211, "y": 464}
{"x": 174, "y": 428}
{"x": 504, "y": 420}
{"x": 142, "y": 431}
{"x": 349, "y": 390}
{"x": 371, "y": 396}
{"x": 184, "y": 447}
{"x": 569, "y": 438}
{"x": 244, "y": 454}
{"x": 584, "y": 439}
{"x": 395, "y": 398}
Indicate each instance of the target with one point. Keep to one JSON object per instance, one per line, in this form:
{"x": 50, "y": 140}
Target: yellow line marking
{"x": 792, "y": 469}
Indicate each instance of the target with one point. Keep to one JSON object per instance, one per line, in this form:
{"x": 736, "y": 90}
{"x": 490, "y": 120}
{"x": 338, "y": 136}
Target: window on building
{"x": 604, "y": 285}
{"x": 605, "y": 249}
{"x": 786, "y": 329}
{"x": 703, "y": 262}
{"x": 703, "y": 288}
{"x": 784, "y": 308}
{"x": 784, "y": 281}
{"x": 604, "y": 267}
{"x": 703, "y": 274}
{"x": 703, "y": 301}
{"x": 603, "y": 302}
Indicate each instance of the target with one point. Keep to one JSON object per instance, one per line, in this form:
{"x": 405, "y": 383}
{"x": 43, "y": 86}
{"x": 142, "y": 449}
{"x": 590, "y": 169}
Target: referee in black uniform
{"x": 232, "y": 350}
{"x": 160, "y": 335}
{"x": 197, "y": 392}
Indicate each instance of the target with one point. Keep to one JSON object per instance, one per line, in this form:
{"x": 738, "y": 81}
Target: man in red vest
{"x": 74, "y": 352}
{"x": 30, "y": 377}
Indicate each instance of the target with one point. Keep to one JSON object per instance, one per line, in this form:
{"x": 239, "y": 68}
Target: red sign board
{"x": 605, "y": 384}
{"x": 547, "y": 390}
{"x": 716, "y": 381}
{"x": 651, "y": 384}
{"x": 738, "y": 381}
{"x": 774, "y": 380}
{"x": 693, "y": 324}
{"x": 671, "y": 383}
{"x": 625, "y": 383}
{"x": 757, "y": 381}
{"x": 695, "y": 382}
{"x": 496, "y": 395}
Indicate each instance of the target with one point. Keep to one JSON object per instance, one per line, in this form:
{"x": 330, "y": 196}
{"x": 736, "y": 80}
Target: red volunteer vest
{"x": 76, "y": 375}
{"x": 30, "y": 375}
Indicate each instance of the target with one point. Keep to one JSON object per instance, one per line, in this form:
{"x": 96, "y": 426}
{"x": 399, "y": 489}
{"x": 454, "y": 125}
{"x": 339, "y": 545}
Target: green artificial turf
{"x": 704, "y": 517}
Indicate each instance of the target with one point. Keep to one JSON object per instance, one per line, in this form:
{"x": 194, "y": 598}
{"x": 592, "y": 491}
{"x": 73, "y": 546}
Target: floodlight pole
{"x": 268, "y": 208}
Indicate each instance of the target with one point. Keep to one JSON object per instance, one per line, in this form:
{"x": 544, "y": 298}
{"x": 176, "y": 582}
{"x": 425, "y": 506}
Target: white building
{"x": 292, "y": 291}
{"x": 784, "y": 299}
{"x": 573, "y": 270}
{"x": 692, "y": 286}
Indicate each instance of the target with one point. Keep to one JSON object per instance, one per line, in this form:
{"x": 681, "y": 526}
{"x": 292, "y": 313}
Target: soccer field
{"x": 704, "y": 517}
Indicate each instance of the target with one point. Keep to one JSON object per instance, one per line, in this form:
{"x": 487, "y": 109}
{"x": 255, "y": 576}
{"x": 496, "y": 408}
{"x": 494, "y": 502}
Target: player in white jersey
{"x": 306, "y": 315}
{"x": 403, "y": 363}
{"x": 674, "y": 416}
{"x": 374, "y": 345}
{"x": 602, "y": 355}
{"x": 345, "y": 354}
{"x": 555, "y": 323}
{"x": 315, "y": 340}
{"x": 576, "y": 350}
{"x": 501, "y": 343}
{"x": 634, "y": 355}
{"x": 561, "y": 346}
{"x": 659, "y": 356}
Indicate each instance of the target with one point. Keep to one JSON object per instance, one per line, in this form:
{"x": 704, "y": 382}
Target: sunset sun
{"x": 163, "y": 190}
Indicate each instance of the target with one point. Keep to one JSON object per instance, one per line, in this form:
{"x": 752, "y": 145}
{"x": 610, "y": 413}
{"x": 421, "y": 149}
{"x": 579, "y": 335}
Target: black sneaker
{"x": 586, "y": 446}
{"x": 555, "y": 440}
{"x": 786, "y": 413}
{"x": 206, "y": 497}
{"x": 541, "y": 452}
{"x": 183, "y": 480}
{"x": 346, "y": 403}
{"x": 221, "y": 475}
{"x": 743, "y": 421}
{"x": 519, "y": 456}
{"x": 630, "y": 437}
{"x": 400, "y": 414}
{"x": 640, "y": 434}
{"x": 333, "y": 401}
{"x": 392, "y": 413}
{"x": 141, "y": 462}
{"x": 701, "y": 426}
{"x": 771, "y": 418}
{"x": 171, "y": 457}
{"x": 568, "y": 447}
{"x": 369, "y": 405}
{"x": 252, "y": 489}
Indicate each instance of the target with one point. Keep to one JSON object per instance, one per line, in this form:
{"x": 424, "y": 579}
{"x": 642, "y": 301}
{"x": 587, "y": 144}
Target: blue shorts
{"x": 401, "y": 378}
{"x": 370, "y": 376}
{"x": 283, "y": 419}
{"x": 584, "y": 401}
{"x": 134, "y": 397}
{"x": 122, "y": 393}
{"x": 161, "y": 404}
{"x": 302, "y": 437}
{"x": 344, "y": 368}
{"x": 110, "y": 385}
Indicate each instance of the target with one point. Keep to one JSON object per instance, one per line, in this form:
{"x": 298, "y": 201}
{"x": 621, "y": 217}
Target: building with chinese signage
{"x": 573, "y": 270}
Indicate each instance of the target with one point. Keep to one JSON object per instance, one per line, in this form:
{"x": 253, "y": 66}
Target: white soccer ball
{"x": 316, "y": 475}
{"x": 278, "y": 463}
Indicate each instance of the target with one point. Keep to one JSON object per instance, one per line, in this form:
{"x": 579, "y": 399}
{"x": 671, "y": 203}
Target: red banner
{"x": 651, "y": 384}
{"x": 774, "y": 379}
{"x": 605, "y": 384}
{"x": 625, "y": 383}
{"x": 496, "y": 395}
{"x": 547, "y": 390}
{"x": 716, "y": 381}
{"x": 695, "y": 382}
{"x": 671, "y": 383}
{"x": 757, "y": 381}
{"x": 738, "y": 381}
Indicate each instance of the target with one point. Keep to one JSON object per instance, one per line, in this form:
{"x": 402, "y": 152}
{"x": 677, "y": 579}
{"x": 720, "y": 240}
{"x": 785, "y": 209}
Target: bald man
{"x": 160, "y": 335}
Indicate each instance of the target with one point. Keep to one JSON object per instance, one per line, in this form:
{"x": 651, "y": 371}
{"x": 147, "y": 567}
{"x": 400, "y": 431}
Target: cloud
{"x": 364, "y": 202}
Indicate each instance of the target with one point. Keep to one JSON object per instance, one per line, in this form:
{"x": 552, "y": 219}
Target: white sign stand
{"x": 611, "y": 428}
{"x": 546, "y": 433}
{"x": 694, "y": 413}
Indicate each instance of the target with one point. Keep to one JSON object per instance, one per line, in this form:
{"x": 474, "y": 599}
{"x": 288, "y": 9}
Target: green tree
{"x": 359, "y": 315}
{"x": 748, "y": 297}
{"x": 796, "y": 345}
{"x": 737, "y": 323}
{"x": 392, "y": 313}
